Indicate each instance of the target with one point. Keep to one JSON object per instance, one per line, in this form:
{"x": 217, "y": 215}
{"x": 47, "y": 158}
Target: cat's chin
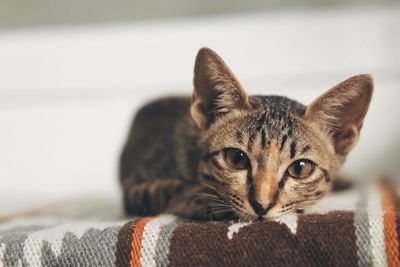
{"x": 245, "y": 217}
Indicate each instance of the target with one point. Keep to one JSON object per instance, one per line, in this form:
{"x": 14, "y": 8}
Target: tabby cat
{"x": 226, "y": 155}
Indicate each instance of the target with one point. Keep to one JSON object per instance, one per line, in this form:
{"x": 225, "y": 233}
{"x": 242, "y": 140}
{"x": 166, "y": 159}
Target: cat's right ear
{"x": 340, "y": 112}
{"x": 216, "y": 90}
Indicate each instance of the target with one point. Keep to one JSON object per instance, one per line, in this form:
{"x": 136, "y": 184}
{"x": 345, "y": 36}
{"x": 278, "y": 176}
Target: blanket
{"x": 358, "y": 227}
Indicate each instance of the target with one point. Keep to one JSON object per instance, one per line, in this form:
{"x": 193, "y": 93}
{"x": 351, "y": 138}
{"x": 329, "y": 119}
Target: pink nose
{"x": 260, "y": 208}
{"x": 265, "y": 205}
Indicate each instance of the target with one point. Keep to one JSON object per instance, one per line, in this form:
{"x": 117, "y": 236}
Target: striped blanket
{"x": 352, "y": 228}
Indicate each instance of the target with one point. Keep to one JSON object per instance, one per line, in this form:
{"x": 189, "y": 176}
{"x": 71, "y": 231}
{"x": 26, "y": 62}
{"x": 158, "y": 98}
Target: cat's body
{"x": 163, "y": 149}
{"x": 222, "y": 155}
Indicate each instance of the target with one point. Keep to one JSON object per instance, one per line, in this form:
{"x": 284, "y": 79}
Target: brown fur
{"x": 174, "y": 159}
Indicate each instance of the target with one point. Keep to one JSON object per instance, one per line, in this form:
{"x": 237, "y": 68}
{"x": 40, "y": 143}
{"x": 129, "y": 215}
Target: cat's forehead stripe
{"x": 293, "y": 149}
{"x": 263, "y": 138}
{"x": 263, "y": 119}
{"x": 250, "y": 142}
{"x": 305, "y": 149}
{"x": 239, "y": 136}
{"x": 283, "y": 142}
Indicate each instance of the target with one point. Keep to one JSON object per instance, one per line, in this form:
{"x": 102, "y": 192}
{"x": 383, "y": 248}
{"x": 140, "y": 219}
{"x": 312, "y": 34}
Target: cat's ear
{"x": 341, "y": 111}
{"x": 216, "y": 90}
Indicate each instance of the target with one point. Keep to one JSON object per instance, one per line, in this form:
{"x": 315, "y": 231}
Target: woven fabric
{"x": 353, "y": 228}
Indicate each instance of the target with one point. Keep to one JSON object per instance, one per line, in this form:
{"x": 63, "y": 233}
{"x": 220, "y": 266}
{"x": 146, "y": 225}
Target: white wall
{"x": 67, "y": 95}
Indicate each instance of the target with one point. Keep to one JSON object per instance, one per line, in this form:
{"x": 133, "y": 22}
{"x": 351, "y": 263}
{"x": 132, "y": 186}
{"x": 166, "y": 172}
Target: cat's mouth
{"x": 271, "y": 214}
{"x": 247, "y": 217}
{"x": 231, "y": 207}
{"x": 256, "y": 218}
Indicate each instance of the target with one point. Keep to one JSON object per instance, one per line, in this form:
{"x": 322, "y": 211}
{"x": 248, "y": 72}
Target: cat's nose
{"x": 260, "y": 208}
{"x": 265, "y": 205}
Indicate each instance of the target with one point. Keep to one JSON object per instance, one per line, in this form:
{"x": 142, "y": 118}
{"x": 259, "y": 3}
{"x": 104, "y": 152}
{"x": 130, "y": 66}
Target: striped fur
{"x": 174, "y": 160}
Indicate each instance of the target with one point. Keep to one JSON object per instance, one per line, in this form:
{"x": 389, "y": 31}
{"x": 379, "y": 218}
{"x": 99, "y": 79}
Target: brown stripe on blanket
{"x": 328, "y": 240}
{"x": 124, "y": 240}
{"x": 320, "y": 240}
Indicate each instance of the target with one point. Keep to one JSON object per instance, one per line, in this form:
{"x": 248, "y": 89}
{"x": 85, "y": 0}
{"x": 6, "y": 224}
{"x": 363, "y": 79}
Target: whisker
{"x": 300, "y": 204}
{"x": 209, "y": 196}
{"x": 220, "y": 206}
{"x": 207, "y": 185}
{"x": 221, "y": 211}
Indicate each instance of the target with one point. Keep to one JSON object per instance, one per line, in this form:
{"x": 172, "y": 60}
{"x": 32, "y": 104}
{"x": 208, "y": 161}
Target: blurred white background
{"x": 68, "y": 91}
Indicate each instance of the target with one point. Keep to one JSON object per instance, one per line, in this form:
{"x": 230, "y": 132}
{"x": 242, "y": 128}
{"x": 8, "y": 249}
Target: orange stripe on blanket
{"x": 136, "y": 245}
{"x": 389, "y": 221}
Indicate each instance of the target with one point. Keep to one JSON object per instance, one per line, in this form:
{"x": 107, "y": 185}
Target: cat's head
{"x": 266, "y": 156}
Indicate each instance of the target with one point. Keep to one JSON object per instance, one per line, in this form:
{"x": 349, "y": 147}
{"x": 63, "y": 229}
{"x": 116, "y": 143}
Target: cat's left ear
{"x": 216, "y": 90}
{"x": 341, "y": 111}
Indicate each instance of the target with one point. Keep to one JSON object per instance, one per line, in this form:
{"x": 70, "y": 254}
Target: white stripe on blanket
{"x": 151, "y": 234}
{"x": 55, "y": 235}
{"x": 376, "y": 228}
{"x": 2, "y": 251}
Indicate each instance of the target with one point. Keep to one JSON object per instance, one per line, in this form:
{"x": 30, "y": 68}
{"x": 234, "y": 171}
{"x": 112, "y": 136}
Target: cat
{"x": 224, "y": 155}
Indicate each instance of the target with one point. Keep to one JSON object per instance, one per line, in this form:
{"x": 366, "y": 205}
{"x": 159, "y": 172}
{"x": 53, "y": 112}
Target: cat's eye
{"x": 236, "y": 159}
{"x": 301, "y": 169}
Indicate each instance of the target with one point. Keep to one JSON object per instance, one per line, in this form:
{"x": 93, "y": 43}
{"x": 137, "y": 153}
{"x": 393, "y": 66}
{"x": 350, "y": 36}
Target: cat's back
{"x": 161, "y": 113}
{"x": 150, "y": 144}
